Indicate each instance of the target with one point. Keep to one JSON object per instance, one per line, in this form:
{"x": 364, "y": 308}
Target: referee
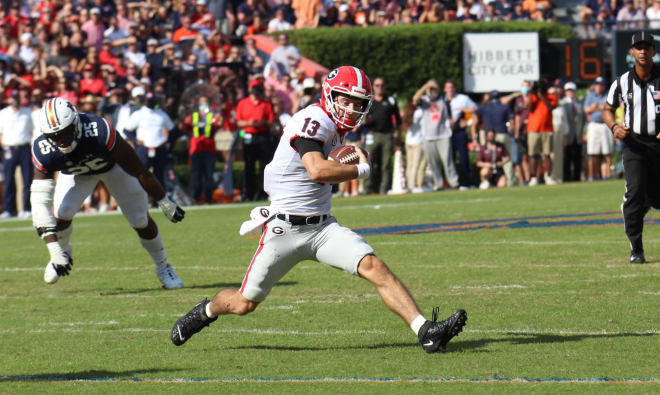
{"x": 639, "y": 91}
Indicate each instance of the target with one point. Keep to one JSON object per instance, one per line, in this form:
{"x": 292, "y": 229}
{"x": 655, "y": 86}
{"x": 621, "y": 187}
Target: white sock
{"x": 207, "y": 309}
{"x": 64, "y": 237}
{"x": 155, "y": 249}
{"x": 417, "y": 323}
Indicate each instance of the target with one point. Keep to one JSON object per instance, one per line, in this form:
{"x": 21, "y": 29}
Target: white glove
{"x": 173, "y": 212}
{"x": 59, "y": 265}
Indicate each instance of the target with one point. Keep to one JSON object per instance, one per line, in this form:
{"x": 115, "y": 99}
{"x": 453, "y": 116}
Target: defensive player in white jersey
{"x": 298, "y": 226}
{"x": 85, "y": 148}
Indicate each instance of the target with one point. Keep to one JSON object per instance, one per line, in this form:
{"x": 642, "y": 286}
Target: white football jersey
{"x": 286, "y": 180}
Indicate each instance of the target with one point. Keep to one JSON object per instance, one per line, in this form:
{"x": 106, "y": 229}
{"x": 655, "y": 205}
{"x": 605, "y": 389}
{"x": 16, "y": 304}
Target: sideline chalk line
{"x": 495, "y": 379}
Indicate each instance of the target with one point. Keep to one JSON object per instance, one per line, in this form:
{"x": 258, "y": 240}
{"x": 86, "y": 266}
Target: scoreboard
{"x": 577, "y": 60}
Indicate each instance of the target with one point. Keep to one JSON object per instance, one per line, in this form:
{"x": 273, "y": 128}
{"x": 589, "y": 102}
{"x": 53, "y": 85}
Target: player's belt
{"x": 298, "y": 220}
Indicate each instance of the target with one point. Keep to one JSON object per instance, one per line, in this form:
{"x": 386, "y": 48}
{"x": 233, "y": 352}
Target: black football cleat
{"x": 434, "y": 336}
{"x": 637, "y": 257}
{"x": 194, "y": 321}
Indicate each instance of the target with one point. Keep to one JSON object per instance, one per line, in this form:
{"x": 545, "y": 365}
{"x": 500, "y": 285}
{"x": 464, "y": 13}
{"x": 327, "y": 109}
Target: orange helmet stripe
{"x": 51, "y": 113}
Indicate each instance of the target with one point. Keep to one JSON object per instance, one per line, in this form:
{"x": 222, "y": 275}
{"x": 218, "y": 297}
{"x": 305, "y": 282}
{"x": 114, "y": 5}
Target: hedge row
{"x": 406, "y": 56}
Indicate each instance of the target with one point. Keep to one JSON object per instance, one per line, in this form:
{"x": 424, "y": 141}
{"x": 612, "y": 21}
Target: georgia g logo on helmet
{"x": 333, "y": 74}
{"x": 60, "y": 123}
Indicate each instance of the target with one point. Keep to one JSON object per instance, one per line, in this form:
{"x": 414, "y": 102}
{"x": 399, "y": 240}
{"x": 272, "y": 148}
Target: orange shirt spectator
{"x": 540, "y": 117}
{"x": 531, "y": 6}
{"x": 307, "y": 13}
{"x": 257, "y": 26}
{"x": 184, "y": 32}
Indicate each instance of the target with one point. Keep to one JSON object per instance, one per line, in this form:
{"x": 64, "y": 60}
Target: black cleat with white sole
{"x": 637, "y": 258}
{"x": 194, "y": 321}
{"x": 434, "y": 336}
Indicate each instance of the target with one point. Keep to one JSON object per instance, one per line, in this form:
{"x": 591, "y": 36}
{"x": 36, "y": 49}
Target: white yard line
{"x": 80, "y": 327}
{"x": 347, "y": 380}
{"x": 501, "y": 242}
{"x": 504, "y": 286}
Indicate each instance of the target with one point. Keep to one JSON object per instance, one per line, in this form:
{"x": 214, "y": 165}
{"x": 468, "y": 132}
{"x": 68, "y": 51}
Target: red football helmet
{"x": 349, "y": 81}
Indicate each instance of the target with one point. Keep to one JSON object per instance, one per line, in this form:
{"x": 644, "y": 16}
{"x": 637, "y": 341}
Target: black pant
{"x": 155, "y": 158}
{"x": 572, "y": 162}
{"x": 380, "y": 151}
{"x": 459, "y": 142}
{"x": 259, "y": 149}
{"x": 641, "y": 164}
{"x": 202, "y": 168}
{"x": 13, "y": 157}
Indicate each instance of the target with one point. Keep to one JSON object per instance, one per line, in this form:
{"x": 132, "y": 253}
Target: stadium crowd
{"x": 116, "y": 57}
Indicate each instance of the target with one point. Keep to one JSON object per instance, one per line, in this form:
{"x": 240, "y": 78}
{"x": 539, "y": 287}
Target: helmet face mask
{"x": 64, "y": 140}
{"x": 349, "y": 108}
{"x": 354, "y": 86}
{"x": 60, "y": 123}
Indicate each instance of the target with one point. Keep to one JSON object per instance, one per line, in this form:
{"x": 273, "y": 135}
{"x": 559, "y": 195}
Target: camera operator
{"x": 539, "y": 130}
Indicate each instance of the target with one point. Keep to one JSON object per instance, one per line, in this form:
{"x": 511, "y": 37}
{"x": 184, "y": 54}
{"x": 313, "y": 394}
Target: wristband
{"x": 364, "y": 170}
{"x": 54, "y": 249}
{"x": 613, "y": 126}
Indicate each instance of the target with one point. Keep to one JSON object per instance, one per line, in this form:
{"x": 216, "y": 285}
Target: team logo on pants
{"x": 278, "y": 230}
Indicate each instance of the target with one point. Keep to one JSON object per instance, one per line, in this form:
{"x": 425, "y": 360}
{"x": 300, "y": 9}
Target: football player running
{"x": 298, "y": 226}
{"x": 86, "y": 149}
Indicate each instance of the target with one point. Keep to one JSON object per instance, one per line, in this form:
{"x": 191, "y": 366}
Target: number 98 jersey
{"x": 285, "y": 178}
{"x": 92, "y": 155}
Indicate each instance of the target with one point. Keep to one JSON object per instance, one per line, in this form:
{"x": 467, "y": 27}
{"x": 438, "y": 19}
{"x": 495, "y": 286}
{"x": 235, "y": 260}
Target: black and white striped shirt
{"x": 641, "y": 101}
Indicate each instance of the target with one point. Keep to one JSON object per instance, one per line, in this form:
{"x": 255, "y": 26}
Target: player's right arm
{"x": 325, "y": 170}
{"x": 41, "y": 199}
{"x": 126, "y": 157}
{"x": 417, "y": 97}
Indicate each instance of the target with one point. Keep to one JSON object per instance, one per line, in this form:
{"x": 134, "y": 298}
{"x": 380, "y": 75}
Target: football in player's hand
{"x": 346, "y": 155}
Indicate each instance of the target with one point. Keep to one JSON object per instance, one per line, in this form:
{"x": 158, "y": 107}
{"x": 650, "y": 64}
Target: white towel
{"x": 258, "y": 216}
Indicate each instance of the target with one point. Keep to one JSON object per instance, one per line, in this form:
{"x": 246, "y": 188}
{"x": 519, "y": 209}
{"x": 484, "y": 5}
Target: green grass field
{"x": 553, "y": 305}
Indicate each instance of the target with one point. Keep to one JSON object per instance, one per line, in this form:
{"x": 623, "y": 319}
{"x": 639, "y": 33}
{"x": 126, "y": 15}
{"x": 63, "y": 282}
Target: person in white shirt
{"x": 278, "y": 23}
{"x": 653, "y": 15}
{"x": 15, "y": 134}
{"x": 461, "y": 107}
{"x": 152, "y": 127}
{"x": 415, "y": 158}
{"x": 124, "y": 114}
{"x": 298, "y": 226}
{"x": 133, "y": 55}
{"x": 283, "y": 58}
